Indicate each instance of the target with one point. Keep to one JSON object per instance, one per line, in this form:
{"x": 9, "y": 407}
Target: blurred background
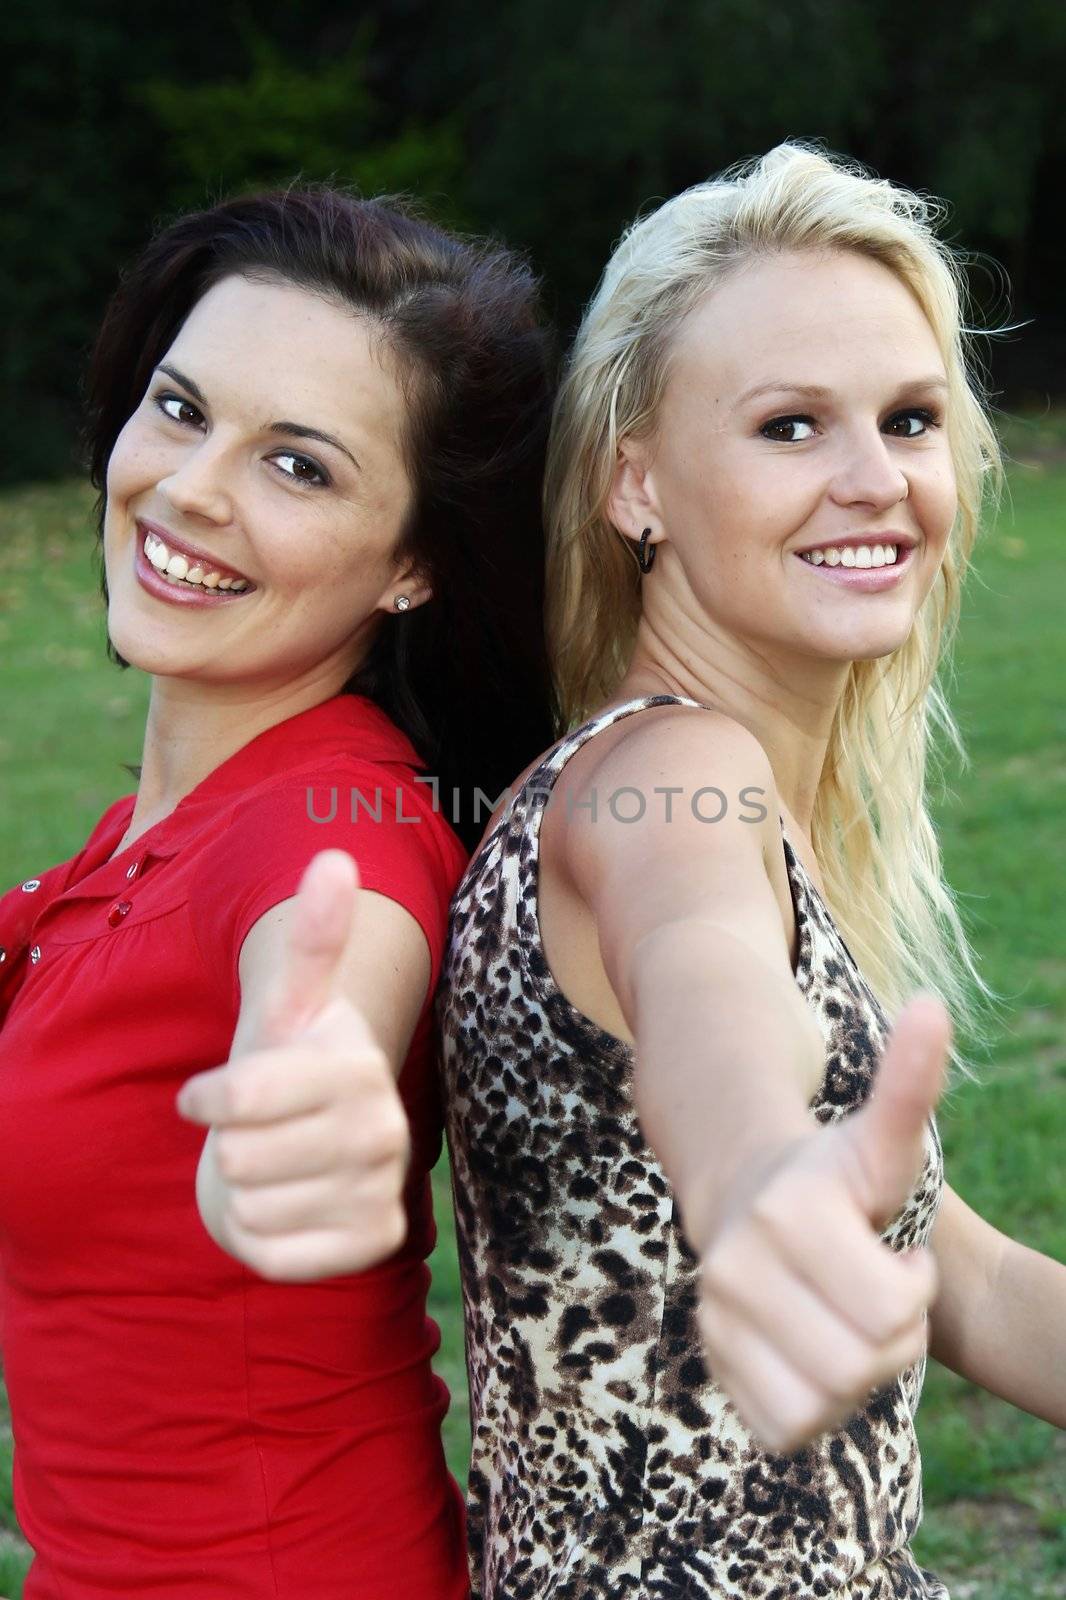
{"x": 552, "y": 123}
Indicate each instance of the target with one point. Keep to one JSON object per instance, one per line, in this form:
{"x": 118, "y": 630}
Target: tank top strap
{"x": 512, "y": 851}
{"x": 534, "y": 793}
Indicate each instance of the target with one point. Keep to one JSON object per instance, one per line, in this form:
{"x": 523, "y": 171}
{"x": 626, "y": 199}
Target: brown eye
{"x": 179, "y": 410}
{"x": 900, "y": 423}
{"x": 302, "y": 469}
{"x": 783, "y": 430}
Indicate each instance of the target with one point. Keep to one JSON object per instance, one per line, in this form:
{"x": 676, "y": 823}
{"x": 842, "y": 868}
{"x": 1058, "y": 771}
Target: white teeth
{"x": 177, "y": 569}
{"x": 155, "y": 553}
{"x": 863, "y": 555}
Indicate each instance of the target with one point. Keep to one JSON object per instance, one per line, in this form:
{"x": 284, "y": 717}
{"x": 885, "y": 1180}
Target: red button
{"x": 117, "y": 912}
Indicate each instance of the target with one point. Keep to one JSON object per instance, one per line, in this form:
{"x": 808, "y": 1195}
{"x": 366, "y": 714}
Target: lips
{"x": 186, "y": 594}
{"x": 194, "y": 556}
{"x": 868, "y": 580}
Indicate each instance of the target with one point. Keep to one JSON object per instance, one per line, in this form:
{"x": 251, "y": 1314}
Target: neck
{"x": 789, "y": 705}
{"x": 192, "y": 728}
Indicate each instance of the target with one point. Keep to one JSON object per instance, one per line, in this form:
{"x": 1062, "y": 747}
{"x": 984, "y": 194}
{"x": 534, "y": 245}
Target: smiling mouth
{"x": 861, "y": 556}
{"x": 174, "y": 591}
{"x": 179, "y": 568}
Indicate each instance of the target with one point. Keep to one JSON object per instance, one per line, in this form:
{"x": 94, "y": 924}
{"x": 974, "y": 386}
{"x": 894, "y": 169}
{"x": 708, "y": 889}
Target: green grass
{"x": 996, "y": 1520}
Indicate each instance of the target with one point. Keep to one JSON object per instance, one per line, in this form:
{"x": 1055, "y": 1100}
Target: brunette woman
{"x": 317, "y": 423}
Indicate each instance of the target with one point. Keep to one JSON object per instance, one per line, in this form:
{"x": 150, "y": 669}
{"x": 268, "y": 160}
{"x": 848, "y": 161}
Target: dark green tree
{"x": 549, "y": 122}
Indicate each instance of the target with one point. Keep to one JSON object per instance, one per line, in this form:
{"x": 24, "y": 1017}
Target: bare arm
{"x": 1000, "y": 1316}
{"x": 692, "y": 942}
{"x": 803, "y": 1309}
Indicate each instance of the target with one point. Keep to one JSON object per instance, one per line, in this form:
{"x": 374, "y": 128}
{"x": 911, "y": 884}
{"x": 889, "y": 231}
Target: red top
{"x": 184, "y": 1428}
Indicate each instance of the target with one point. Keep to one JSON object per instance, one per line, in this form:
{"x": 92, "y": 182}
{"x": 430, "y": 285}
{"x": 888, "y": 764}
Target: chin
{"x": 870, "y": 638}
{"x": 133, "y": 654}
{"x": 132, "y": 640}
{"x": 876, "y": 649}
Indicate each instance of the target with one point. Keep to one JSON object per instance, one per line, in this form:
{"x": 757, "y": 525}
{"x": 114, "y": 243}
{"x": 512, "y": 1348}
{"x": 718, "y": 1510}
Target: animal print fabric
{"x": 606, "y": 1463}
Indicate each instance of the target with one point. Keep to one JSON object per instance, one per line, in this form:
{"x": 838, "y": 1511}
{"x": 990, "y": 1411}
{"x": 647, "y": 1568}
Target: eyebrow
{"x": 295, "y": 430}
{"x": 814, "y": 391}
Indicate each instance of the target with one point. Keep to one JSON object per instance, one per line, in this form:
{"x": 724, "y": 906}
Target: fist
{"x": 803, "y": 1308}
{"x": 303, "y": 1168}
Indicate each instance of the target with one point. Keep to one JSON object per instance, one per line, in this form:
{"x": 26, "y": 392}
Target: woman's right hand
{"x": 302, "y": 1173}
{"x": 803, "y": 1308}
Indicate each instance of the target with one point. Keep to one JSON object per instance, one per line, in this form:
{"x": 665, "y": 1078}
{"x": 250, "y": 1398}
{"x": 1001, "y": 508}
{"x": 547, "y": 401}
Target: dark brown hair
{"x": 465, "y": 675}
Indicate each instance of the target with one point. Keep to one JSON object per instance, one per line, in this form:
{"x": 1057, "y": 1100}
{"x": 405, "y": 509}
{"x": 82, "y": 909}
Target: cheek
{"x": 317, "y": 559}
{"x": 132, "y": 464}
{"x": 709, "y": 500}
{"x": 938, "y": 503}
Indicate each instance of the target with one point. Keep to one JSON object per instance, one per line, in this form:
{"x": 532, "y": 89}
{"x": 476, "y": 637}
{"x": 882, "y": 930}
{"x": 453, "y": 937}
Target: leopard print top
{"x": 605, "y": 1462}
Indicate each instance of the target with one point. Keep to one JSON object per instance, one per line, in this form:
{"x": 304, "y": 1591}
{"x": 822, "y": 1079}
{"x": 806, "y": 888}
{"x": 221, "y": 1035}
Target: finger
{"x": 778, "y": 1404}
{"x": 320, "y": 1252}
{"x": 823, "y": 1346}
{"x": 294, "y": 1148}
{"x": 316, "y": 1146}
{"x": 315, "y": 1205}
{"x": 876, "y": 1289}
{"x": 882, "y": 1142}
{"x": 316, "y": 941}
{"x": 271, "y": 1085}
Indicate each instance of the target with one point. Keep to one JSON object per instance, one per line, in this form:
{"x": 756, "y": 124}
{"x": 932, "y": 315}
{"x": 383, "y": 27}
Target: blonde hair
{"x": 871, "y": 829}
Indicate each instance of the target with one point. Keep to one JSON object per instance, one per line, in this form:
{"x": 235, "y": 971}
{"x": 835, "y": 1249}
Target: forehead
{"x": 274, "y": 351}
{"x": 829, "y": 319}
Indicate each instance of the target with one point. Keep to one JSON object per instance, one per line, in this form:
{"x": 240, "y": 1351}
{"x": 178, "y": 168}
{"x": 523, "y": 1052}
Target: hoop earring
{"x": 645, "y": 557}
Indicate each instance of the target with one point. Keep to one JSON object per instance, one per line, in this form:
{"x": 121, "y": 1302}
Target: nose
{"x": 868, "y": 473}
{"x": 198, "y": 485}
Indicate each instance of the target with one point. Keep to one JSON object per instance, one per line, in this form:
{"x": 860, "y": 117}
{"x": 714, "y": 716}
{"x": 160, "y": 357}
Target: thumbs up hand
{"x": 803, "y": 1309}
{"x": 302, "y": 1172}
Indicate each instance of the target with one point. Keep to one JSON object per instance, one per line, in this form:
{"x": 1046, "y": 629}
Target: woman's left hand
{"x": 302, "y": 1172}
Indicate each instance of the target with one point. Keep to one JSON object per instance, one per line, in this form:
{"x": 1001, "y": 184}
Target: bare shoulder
{"x": 669, "y": 778}
{"x": 668, "y": 819}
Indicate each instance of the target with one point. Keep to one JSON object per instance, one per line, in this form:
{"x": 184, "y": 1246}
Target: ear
{"x": 408, "y": 581}
{"x": 632, "y": 504}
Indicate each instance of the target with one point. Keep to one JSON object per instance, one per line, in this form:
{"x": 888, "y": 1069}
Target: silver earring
{"x": 402, "y": 602}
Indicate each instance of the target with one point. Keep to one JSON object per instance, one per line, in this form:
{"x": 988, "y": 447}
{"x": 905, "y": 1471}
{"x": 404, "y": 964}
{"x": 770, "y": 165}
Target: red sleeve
{"x": 375, "y": 811}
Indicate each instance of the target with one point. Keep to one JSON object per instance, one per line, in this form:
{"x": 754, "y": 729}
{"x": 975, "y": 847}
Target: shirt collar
{"x": 348, "y": 723}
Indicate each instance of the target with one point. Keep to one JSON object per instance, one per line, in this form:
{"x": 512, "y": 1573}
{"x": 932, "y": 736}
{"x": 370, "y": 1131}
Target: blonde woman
{"x": 703, "y": 1223}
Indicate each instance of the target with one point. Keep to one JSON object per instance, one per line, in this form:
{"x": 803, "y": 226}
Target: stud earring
{"x": 645, "y": 557}
{"x": 402, "y": 602}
